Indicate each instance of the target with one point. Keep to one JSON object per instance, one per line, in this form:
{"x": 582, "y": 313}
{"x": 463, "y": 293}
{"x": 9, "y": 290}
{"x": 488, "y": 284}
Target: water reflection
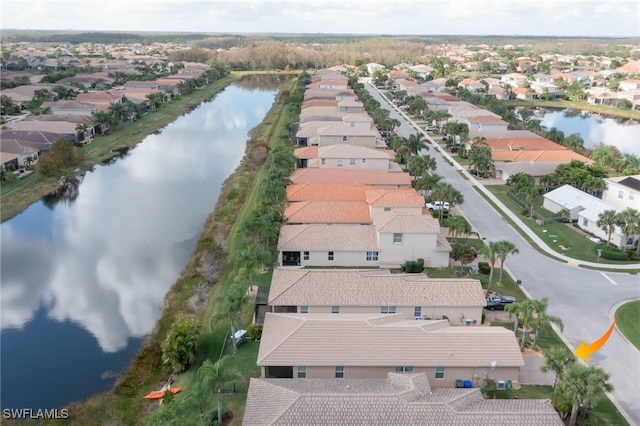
{"x": 595, "y": 130}
{"x": 103, "y": 260}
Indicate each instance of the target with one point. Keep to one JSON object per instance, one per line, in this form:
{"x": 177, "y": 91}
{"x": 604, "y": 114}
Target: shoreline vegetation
{"x": 207, "y": 288}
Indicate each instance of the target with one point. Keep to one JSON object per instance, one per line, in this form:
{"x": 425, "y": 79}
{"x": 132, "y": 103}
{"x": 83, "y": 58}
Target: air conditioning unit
{"x": 426, "y": 317}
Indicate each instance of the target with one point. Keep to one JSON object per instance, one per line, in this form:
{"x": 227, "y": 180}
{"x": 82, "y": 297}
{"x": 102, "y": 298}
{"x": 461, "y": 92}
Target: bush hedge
{"x": 484, "y": 267}
{"x": 611, "y": 252}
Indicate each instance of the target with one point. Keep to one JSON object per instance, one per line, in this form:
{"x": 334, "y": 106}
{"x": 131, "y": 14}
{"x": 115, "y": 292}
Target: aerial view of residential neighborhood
{"x": 203, "y": 226}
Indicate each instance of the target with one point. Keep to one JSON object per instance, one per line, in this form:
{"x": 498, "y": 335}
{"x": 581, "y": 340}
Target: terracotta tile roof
{"x": 401, "y": 399}
{"x": 318, "y": 287}
{"x": 319, "y": 103}
{"x": 57, "y": 127}
{"x": 406, "y": 223}
{"x": 329, "y": 340}
{"x": 538, "y": 143}
{"x": 99, "y": 97}
{"x": 558, "y": 155}
{"x": 327, "y": 191}
{"x": 327, "y": 212}
{"x": 394, "y": 197}
{"x": 321, "y": 237}
{"x": 351, "y": 176}
{"x": 306, "y": 152}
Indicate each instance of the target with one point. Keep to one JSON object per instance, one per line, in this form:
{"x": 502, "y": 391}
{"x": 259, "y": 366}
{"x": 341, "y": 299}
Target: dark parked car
{"x": 497, "y": 303}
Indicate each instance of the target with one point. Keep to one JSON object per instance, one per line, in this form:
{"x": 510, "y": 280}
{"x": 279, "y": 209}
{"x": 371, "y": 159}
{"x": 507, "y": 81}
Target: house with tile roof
{"x": 623, "y": 192}
{"x": 327, "y": 211}
{"x": 486, "y": 123}
{"x": 382, "y": 179}
{"x": 377, "y": 291}
{"x": 351, "y": 157}
{"x": 472, "y": 85}
{"x": 399, "y": 399}
{"x": 584, "y": 209}
{"x": 71, "y": 108}
{"x": 369, "y": 346}
{"x": 393, "y": 239}
{"x": 324, "y": 133}
{"x": 397, "y": 200}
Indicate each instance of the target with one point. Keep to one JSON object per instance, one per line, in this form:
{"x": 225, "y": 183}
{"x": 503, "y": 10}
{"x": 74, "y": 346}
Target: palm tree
{"x": 607, "y": 222}
{"x": 416, "y": 143}
{"x": 528, "y": 195}
{"x": 420, "y": 165}
{"x": 581, "y": 384}
{"x": 118, "y": 112}
{"x": 446, "y": 192}
{"x": 557, "y": 358}
{"x": 555, "y": 135}
{"x": 457, "y": 224}
{"x": 524, "y": 313}
{"x": 543, "y": 319}
{"x": 505, "y": 248}
{"x": 28, "y": 161}
{"x": 103, "y": 119}
{"x": 490, "y": 254}
{"x": 427, "y": 181}
{"x": 629, "y": 222}
{"x": 81, "y": 129}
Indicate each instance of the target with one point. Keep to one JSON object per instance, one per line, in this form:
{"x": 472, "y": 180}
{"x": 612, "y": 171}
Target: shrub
{"x": 615, "y": 255}
{"x": 484, "y": 267}
{"x": 254, "y": 331}
{"x": 420, "y": 264}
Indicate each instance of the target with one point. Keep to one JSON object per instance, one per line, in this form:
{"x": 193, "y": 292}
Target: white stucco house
{"x": 584, "y": 209}
{"x": 623, "y": 192}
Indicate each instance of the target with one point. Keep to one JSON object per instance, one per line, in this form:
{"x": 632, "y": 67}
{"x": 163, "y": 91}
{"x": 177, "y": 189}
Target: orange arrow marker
{"x": 584, "y": 351}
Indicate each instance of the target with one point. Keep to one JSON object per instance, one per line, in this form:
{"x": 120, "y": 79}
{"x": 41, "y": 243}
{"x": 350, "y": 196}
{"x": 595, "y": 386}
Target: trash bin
{"x": 459, "y": 383}
{"x": 467, "y": 384}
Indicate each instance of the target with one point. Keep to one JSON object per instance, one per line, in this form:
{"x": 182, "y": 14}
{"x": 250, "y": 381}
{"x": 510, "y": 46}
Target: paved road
{"x": 583, "y": 298}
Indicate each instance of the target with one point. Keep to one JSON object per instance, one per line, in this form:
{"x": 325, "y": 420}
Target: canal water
{"x": 84, "y": 273}
{"x": 594, "y": 129}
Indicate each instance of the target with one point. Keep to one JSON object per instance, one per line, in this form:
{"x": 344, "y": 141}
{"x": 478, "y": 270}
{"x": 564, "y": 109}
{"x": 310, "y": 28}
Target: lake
{"x": 84, "y": 273}
{"x": 594, "y": 129}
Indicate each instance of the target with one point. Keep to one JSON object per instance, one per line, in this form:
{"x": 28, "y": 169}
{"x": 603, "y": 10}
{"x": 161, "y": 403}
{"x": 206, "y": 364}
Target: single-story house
{"x": 460, "y": 300}
{"x": 584, "y": 209}
{"x": 401, "y": 399}
{"x": 369, "y": 346}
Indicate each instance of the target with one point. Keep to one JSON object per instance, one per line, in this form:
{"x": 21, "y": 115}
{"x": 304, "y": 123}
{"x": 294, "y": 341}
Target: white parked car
{"x": 430, "y": 128}
{"x": 437, "y": 205}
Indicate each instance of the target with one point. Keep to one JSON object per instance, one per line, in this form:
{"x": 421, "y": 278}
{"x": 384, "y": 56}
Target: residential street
{"x": 583, "y": 298}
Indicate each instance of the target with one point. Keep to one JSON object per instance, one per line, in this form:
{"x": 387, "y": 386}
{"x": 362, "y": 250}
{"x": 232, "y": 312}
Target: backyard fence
{"x": 537, "y": 216}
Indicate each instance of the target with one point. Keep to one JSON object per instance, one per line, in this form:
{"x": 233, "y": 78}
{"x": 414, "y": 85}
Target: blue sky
{"x": 415, "y": 17}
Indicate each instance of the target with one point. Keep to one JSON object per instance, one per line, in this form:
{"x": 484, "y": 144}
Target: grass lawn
{"x": 562, "y": 238}
{"x": 627, "y": 321}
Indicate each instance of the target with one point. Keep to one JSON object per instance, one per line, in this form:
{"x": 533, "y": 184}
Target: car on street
{"x": 430, "y": 128}
{"x": 497, "y": 303}
{"x": 437, "y": 205}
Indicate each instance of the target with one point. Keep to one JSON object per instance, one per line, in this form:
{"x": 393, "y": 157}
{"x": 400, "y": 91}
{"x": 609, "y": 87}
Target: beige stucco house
{"x": 377, "y": 291}
{"x": 369, "y": 346}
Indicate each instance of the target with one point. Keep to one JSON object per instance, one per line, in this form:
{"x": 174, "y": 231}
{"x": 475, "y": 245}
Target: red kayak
{"x": 160, "y": 394}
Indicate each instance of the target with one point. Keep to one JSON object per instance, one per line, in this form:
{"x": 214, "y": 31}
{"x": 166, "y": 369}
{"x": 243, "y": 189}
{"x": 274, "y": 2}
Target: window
{"x": 620, "y": 194}
{"x": 323, "y": 161}
{"x": 335, "y": 140}
{"x": 339, "y": 163}
{"x": 339, "y": 372}
{"x": 404, "y": 369}
{"x": 352, "y": 162}
{"x": 344, "y": 139}
{"x": 397, "y": 238}
{"x": 372, "y": 256}
{"x": 387, "y": 209}
{"x": 632, "y": 196}
{"x": 330, "y": 256}
{"x": 388, "y": 310}
{"x": 335, "y": 309}
{"x": 439, "y": 373}
{"x": 304, "y": 309}
{"x": 320, "y": 138}
{"x": 302, "y": 372}
{"x": 353, "y": 124}
{"x": 306, "y": 255}
{"x": 585, "y": 222}
{"x": 417, "y": 312}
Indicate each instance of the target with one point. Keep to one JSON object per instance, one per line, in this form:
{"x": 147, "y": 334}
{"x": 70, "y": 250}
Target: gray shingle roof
{"x": 398, "y": 400}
